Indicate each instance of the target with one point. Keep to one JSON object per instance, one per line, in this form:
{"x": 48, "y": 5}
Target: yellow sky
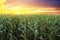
{"x": 15, "y": 8}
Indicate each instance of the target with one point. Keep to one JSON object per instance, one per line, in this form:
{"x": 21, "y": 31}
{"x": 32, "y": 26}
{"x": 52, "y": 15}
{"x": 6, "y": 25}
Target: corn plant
{"x": 30, "y": 27}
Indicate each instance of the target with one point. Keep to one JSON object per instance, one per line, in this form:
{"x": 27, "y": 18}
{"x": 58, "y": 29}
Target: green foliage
{"x": 30, "y": 27}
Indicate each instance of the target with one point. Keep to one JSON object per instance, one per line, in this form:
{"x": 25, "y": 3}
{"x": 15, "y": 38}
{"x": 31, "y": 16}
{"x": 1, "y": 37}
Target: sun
{"x": 2, "y": 5}
{"x": 2, "y": 1}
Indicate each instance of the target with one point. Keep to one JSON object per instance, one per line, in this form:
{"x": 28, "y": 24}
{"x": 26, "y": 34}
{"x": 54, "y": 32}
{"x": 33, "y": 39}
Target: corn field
{"x": 30, "y": 27}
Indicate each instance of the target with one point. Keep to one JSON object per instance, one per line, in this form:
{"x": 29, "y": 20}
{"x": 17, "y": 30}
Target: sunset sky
{"x": 29, "y": 6}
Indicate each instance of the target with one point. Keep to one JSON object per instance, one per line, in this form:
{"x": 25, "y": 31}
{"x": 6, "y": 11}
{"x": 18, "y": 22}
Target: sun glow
{"x": 17, "y": 7}
{"x": 20, "y": 9}
{"x": 2, "y": 1}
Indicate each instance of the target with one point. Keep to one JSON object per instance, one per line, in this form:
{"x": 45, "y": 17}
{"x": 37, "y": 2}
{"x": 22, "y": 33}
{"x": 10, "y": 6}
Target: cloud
{"x": 39, "y": 3}
{"x": 45, "y": 3}
{"x": 52, "y": 3}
